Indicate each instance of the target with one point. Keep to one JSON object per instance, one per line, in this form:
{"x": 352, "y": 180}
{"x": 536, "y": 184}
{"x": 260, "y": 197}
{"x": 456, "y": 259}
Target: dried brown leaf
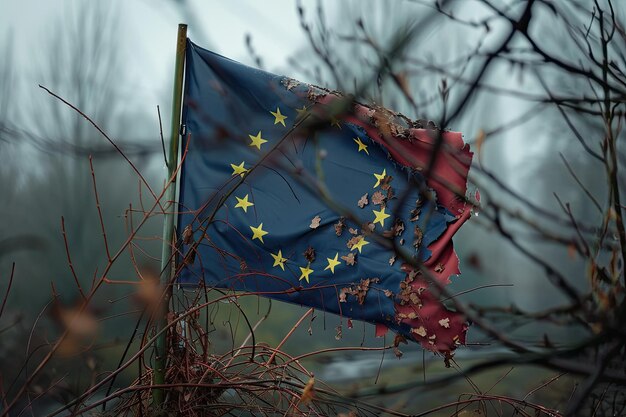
{"x": 397, "y": 352}
{"x": 187, "y": 235}
{"x": 315, "y": 222}
{"x": 309, "y": 254}
{"x": 415, "y": 213}
{"x": 363, "y": 201}
{"x": 480, "y": 140}
{"x": 368, "y": 228}
{"x": 290, "y": 83}
{"x": 378, "y": 198}
{"x": 190, "y": 257}
{"x": 399, "y": 339}
{"x": 353, "y": 241}
{"x": 339, "y": 226}
{"x": 398, "y": 227}
{"x": 350, "y": 259}
{"x": 386, "y": 182}
{"x": 361, "y": 290}
{"x": 78, "y": 323}
{"x": 417, "y": 237}
{"x": 308, "y": 391}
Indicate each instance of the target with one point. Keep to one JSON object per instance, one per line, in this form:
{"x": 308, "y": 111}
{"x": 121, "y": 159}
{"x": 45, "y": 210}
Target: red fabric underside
{"x": 433, "y": 325}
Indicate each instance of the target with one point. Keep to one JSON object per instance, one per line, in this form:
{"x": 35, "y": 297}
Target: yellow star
{"x": 335, "y": 122}
{"x": 305, "y": 272}
{"x": 257, "y": 140}
{"x": 302, "y": 111}
{"x": 258, "y": 232}
{"x": 381, "y": 216}
{"x": 362, "y": 146}
{"x": 279, "y": 260}
{"x": 239, "y": 169}
{"x": 332, "y": 263}
{"x": 278, "y": 117}
{"x": 243, "y": 203}
{"x": 380, "y": 177}
{"x": 359, "y": 245}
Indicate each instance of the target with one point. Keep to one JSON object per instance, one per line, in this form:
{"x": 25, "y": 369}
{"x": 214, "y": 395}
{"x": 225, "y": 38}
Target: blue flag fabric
{"x": 280, "y": 198}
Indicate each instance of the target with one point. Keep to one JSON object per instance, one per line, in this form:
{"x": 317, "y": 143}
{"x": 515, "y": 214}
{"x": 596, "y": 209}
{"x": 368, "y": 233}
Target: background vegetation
{"x": 538, "y": 89}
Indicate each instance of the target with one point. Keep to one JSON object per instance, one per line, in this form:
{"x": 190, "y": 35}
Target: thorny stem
{"x": 87, "y": 299}
{"x": 612, "y": 167}
{"x": 8, "y": 290}
{"x": 69, "y": 259}
{"x": 293, "y": 329}
{"x": 95, "y": 191}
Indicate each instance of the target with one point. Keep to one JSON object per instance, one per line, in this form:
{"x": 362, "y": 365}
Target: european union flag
{"x": 297, "y": 193}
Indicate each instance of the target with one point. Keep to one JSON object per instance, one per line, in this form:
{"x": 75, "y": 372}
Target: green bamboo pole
{"x": 167, "y": 265}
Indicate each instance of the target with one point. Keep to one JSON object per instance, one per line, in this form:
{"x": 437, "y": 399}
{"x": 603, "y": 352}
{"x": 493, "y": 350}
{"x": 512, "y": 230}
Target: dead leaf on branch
{"x": 190, "y": 257}
{"x": 480, "y": 140}
{"x": 80, "y": 323}
{"x": 396, "y": 342}
{"x": 187, "y": 235}
{"x": 308, "y": 391}
{"x": 397, "y": 352}
{"x": 339, "y": 332}
{"x": 149, "y": 292}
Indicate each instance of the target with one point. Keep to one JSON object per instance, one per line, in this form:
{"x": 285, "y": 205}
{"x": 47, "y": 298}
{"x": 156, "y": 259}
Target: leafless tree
{"x": 551, "y": 342}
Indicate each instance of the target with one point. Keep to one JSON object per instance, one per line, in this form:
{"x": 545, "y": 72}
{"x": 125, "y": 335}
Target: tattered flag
{"x": 306, "y": 159}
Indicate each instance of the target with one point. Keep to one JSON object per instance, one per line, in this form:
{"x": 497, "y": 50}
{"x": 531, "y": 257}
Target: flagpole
{"x": 167, "y": 263}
